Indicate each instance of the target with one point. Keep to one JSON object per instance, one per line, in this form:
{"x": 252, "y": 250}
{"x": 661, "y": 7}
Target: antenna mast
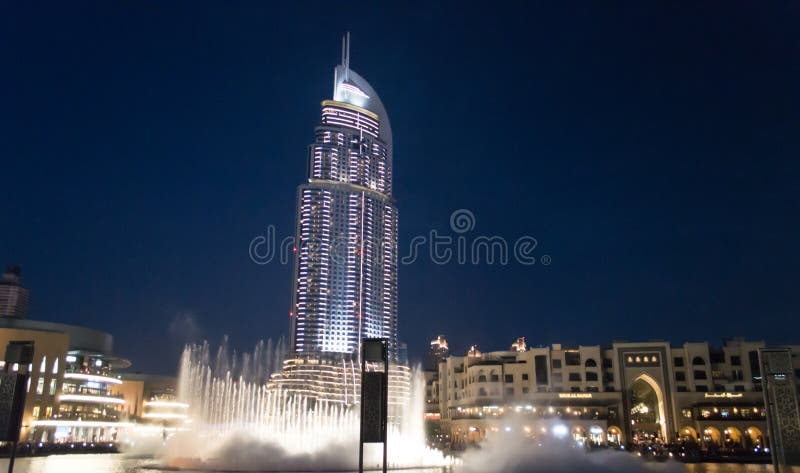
{"x": 346, "y": 53}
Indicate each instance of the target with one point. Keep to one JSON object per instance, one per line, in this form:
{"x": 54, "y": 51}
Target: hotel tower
{"x": 345, "y": 253}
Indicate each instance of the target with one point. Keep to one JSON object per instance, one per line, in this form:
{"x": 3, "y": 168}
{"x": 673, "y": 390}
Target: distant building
{"x": 151, "y": 401}
{"x": 88, "y": 409}
{"x": 13, "y": 295}
{"x": 437, "y": 353}
{"x": 626, "y": 393}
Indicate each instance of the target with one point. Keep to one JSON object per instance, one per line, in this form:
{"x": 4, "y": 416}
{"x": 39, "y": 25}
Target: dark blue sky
{"x": 650, "y": 147}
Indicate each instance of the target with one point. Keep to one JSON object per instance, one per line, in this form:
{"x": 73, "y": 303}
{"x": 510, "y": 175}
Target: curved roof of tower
{"x": 350, "y": 87}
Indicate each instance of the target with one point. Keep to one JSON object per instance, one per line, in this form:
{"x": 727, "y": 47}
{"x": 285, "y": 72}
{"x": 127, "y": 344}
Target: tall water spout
{"x": 238, "y": 420}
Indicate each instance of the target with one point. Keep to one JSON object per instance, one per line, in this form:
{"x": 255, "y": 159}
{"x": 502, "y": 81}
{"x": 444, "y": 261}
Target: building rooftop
{"x": 81, "y": 338}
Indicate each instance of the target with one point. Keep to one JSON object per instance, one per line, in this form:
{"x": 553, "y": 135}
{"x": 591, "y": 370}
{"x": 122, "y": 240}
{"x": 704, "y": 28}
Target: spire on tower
{"x": 346, "y": 53}
{"x": 344, "y": 48}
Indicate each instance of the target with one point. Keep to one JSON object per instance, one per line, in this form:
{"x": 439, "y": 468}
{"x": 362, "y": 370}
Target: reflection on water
{"x": 117, "y": 463}
{"x": 727, "y": 468}
{"x": 110, "y": 463}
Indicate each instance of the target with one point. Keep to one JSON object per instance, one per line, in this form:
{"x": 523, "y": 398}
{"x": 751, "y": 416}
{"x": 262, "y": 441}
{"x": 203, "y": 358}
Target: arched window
{"x": 55, "y": 366}
{"x": 698, "y": 361}
{"x": 590, "y": 363}
{"x": 44, "y": 363}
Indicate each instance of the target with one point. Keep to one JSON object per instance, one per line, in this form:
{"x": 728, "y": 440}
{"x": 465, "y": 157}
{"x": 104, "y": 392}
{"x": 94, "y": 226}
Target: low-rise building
{"x": 626, "y": 393}
{"x": 151, "y": 402}
{"x": 71, "y": 375}
{"x": 69, "y": 395}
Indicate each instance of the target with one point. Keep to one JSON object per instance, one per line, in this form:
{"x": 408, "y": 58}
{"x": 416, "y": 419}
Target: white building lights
{"x": 560, "y": 430}
{"x": 81, "y": 423}
{"x": 92, "y": 377}
{"x": 91, "y": 399}
{"x": 351, "y": 89}
{"x": 171, "y": 404}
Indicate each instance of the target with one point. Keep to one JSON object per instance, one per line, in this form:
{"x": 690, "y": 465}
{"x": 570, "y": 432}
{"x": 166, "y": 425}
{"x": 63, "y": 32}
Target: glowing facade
{"x": 345, "y": 279}
{"x": 69, "y": 395}
{"x": 624, "y": 393}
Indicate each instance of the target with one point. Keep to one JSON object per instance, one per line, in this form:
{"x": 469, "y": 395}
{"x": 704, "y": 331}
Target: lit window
{"x": 40, "y": 385}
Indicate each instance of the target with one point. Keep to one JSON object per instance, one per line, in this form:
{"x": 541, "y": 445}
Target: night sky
{"x": 651, "y": 148}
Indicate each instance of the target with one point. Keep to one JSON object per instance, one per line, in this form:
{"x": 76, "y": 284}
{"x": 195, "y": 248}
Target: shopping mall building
{"x": 625, "y": 393}
{"x": 71, "y": 377}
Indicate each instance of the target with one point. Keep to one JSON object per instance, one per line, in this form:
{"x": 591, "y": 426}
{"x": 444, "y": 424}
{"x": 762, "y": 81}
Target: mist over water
{"x": 239, "y": 423}
{"x": 509, "y": 453}
{"x": 117, "y": 463}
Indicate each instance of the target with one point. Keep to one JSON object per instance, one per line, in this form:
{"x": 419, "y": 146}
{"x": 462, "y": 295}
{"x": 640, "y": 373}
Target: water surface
{"x": 118, "y": 463}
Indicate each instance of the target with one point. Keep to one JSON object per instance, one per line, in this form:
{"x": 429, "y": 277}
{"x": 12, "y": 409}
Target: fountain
{"x": 241, "y": 421}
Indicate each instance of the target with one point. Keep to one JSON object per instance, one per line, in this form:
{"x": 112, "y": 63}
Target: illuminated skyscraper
{"x": 13, "y": 295}
{"x": 345, "y": 276}
{"x": 438, "y": 352}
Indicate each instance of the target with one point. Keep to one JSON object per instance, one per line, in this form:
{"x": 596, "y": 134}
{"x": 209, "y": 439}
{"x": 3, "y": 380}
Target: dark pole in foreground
{"x": 374, "y": 397}
{"x": 13, "y": 387}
